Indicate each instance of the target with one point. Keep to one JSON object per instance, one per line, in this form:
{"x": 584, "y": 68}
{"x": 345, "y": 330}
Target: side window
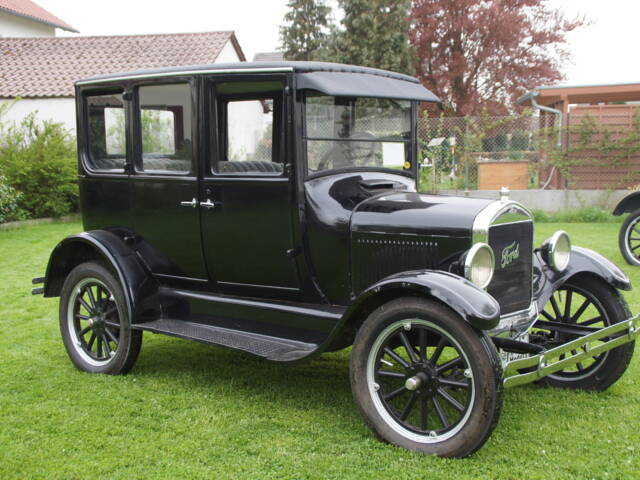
{"x": 106, "y": 132}
{"x": 248, "y": 126}
{"x": 165, "y": 128}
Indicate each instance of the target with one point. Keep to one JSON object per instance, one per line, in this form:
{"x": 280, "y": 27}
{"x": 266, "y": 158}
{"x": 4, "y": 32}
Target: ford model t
{"x": 273, "y": 209}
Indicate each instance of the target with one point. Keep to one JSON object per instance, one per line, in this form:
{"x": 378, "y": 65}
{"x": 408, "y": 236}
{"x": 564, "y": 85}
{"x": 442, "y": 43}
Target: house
{"x": 24, "y": 18}
{"x": 613, "y": 108}
{"x": 41, "y": 71}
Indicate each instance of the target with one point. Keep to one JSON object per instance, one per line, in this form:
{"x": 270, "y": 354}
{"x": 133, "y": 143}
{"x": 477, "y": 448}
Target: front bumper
{"x": 535, "y": 367}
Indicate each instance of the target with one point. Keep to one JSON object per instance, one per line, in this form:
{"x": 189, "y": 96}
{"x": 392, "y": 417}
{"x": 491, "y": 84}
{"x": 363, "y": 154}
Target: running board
{"x": 272, "y": 348}
{"x": 548, "y": 362}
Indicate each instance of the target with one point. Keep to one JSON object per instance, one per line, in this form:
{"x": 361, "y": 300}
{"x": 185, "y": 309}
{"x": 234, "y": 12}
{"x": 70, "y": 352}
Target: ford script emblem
{"x": 509, "y": 254}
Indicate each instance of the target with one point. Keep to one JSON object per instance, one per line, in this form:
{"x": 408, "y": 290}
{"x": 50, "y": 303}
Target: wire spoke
{"x": 85, "y": 305}
{"x": 395, "y": 393}
{"x": 548, "y": 316}
{"x": 92, "y": 299}
{"x": 567, "y": 306}
{"x": 455, "y": 403}
{"x": 453, "y": 383}
{"x": 407, "y": 346}
{"x": 396, "y": 357}
{"x": 424, "y": 413}
{"x": 84, "y": 330}
{"x": 115, "y": 340}
{"x": 409, "y": 406}
{"x": 555, "y": 307}
{"x": 105, "y": 341}
{"x": 438, "y": 351}
{"x": 580, "y": 310}
{"x": 449, "y": 365}
{"x": 440, "y": 412}
{"x": 591, "y": 321}
{"x": 423, "y": 344}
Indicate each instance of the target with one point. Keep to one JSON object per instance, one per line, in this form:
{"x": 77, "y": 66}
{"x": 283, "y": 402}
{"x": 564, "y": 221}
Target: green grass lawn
{"x": 189, "y": 410}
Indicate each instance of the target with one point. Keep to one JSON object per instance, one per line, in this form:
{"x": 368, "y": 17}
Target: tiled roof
{"x": 28, "y": 9}
{"x": 268, "y": 57}
{"x": 48, "y": 66}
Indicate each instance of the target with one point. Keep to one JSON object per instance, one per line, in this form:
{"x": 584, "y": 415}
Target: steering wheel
{"x": 348, "y": 153}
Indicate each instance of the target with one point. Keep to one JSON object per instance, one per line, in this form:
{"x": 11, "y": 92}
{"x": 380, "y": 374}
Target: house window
{"x": 165, "y": 128}
{"x": 106, "y": 132}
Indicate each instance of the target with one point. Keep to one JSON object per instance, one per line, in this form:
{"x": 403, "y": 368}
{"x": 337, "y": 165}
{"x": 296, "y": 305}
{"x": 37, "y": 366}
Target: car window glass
{"x": 248, "y": 128}
{"x": 106, "y": 132}
{"x": 346, "y": 132}
{"x": 165, "y": 128}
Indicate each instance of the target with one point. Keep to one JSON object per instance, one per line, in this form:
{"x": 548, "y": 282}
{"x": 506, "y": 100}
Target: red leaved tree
{"x": 485, "y": 53}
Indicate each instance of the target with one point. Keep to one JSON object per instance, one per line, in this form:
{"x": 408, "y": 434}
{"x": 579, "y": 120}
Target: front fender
{"x": 139, "y": 286}
{"x": 473, "y": 304}
{"x": 630, "y": 203}
{"x": 582, "y": 260}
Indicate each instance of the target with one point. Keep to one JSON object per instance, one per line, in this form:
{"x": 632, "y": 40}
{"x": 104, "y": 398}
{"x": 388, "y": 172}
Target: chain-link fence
{"x": 599, "y": 148}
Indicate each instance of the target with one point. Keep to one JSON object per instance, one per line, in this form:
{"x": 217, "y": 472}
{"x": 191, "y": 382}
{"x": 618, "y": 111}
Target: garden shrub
{"x": 38, "y": 159}
{"x": 9, "y": 197}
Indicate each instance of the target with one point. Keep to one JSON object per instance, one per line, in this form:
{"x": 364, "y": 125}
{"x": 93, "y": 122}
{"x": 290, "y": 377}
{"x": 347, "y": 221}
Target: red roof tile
{"x": 27, "y": 8}
{"x": 48, "y": 66}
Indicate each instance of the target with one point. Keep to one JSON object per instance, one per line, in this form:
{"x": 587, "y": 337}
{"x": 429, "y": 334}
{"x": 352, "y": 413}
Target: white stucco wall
{"x": 16, "y": 26}
{"x": 61, "y": 110}
{"x": 228, "y": 54}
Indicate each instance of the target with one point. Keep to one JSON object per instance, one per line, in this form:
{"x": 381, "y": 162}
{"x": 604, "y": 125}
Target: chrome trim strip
{"x": 550, "y": 362}
{"x": 491, "y": 214}
{"x": 184, "y": 72}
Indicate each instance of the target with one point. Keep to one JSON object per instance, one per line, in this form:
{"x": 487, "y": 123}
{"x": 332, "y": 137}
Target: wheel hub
{"x": 422, "y": 378}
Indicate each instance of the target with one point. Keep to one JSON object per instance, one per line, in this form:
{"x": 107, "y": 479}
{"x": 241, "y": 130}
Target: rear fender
{"x": 139, "y": 286}
{"x": 583, "y": 261}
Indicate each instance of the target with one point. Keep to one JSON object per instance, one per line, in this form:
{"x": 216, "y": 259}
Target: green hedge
{"x": 38, "y": 161}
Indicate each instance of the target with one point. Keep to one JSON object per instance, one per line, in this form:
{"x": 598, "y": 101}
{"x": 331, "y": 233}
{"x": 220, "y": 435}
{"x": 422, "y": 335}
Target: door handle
{"x": 210, "y": 204}
{"x": 193, "y": 203}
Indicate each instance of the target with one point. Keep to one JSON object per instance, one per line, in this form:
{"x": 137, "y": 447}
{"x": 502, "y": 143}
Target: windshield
{"x": 346, "y": 132}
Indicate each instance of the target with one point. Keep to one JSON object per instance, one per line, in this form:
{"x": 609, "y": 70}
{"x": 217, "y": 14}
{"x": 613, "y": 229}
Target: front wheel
{"x": 425, "y": 380}
{"x": 589, "y": 302}
{"x": 629, "y": 238}
{"x": 94, "y": 321}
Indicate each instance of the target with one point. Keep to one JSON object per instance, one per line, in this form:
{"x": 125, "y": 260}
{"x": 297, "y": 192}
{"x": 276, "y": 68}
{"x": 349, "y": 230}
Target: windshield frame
{"x": 411, "y": 143}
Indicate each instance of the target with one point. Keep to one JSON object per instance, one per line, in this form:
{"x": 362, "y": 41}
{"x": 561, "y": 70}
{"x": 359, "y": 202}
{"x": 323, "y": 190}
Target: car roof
{"x": 249, "y": 67}
{"x": 329, "y": 78}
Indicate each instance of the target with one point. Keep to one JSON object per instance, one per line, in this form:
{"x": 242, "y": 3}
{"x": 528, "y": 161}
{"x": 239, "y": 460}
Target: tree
{"x": 306, "y": 29}
{"x": 374, "y": 33}
{"x": 486, "y": 53}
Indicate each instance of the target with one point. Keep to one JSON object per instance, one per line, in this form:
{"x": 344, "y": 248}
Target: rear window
{"x": 106, "y": 132}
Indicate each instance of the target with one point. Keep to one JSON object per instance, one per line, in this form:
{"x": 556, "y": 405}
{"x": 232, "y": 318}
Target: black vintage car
{"x": 273, "y": 208}
{"x": 629, "y": 234}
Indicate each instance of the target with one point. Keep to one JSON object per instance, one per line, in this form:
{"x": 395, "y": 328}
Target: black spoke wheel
{"x": 589, "y": 302}
{"x": 424, "y": 379}
{"x": 94, "y": 321}
{"x": 629, "y": 238}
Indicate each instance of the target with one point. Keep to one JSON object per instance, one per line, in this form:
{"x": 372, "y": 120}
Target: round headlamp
{"x": 556, "y": 251}
{"x": 479, "y": 264}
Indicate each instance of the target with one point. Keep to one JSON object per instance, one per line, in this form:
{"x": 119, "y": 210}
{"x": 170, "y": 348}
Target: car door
{"x": 165, "y": 191}
{"x": 247, "y": 206}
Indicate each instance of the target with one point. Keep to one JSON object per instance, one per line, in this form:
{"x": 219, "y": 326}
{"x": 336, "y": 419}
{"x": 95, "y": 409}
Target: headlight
{"x": 479, "y": 264}
{"x": 556, "y": 250}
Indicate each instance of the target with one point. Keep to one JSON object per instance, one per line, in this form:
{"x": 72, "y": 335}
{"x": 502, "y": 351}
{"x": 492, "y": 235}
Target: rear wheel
{"x": 94, "y": 321}
{"x": 425, "y": 380}
{"x": 589, "y": 302}
{"x": 629, "y": 238}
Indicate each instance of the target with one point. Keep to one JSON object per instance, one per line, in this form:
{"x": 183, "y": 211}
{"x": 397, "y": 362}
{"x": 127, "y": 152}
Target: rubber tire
{"x": 619, "y": 358}
{"x": 483, "y": 359}
{"x": 622, "y": 239}
{"x": 130, "y": 340}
